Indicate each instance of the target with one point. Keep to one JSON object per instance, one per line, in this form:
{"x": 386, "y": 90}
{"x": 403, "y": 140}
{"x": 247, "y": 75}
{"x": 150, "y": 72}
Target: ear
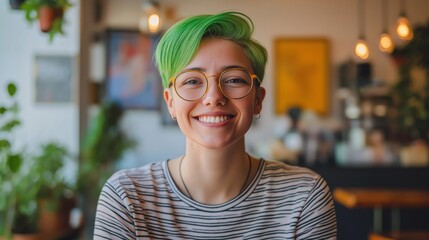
{"x": 168, "y": 97}
{"x": 260, "y": 95}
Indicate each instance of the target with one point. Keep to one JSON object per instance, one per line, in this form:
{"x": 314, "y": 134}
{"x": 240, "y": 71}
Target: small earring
{"x": 173, "y": 117}
{"x": 257, "y": 116}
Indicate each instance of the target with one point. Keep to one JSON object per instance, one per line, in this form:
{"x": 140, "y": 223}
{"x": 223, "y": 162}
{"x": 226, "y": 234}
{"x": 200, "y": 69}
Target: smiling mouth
{"x": 214, "y": 119}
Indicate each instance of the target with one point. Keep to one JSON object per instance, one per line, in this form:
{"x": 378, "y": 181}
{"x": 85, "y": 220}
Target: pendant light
{"x": 361, "y": 47}
{"x": 403, "y": 27}
{"x": 385, "y": 43}
{"x": 150, "y": 20}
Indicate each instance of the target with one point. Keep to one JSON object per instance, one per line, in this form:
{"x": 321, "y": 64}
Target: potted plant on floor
{"x": 25, "y": 219}
{"x": 17, "y": 197}
{"x": 49, "y": 13}
{"x": 56, "y": 194}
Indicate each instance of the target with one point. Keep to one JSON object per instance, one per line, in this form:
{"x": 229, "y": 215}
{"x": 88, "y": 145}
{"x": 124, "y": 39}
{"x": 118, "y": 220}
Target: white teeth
{"x": 212, "y": 119}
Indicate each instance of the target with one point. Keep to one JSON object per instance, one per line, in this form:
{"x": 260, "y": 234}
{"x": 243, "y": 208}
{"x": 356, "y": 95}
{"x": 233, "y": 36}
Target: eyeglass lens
{"x": 234, "y": 83}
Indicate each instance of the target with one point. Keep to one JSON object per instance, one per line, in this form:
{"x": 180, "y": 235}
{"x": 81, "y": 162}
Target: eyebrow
{"x": 223, "y": 68}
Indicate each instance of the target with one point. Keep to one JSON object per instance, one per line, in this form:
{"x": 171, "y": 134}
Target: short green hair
{"x": 180, "y": 43}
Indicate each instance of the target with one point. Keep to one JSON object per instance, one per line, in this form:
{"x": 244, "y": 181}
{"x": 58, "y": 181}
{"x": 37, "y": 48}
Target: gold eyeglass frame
{"x": 252, "y": 76}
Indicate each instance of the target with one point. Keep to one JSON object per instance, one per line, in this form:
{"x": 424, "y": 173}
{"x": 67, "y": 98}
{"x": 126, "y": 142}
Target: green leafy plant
{"x": 26, "y": 211}
{"x": 25, "y": 179}
{"x": 48, "y": 165}
{"x": 103, "y": 145}
{"x": 16, "y": 197}
{"x": 33, "y": 13}
{"x": 411, "y": 104}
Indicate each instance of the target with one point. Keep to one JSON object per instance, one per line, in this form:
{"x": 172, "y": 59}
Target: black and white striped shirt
{"x": 281, "y": 202}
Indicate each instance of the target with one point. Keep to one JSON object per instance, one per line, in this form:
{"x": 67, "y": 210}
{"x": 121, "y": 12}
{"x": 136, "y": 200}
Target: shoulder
{"x": 283, "y": 170}
{"x": 278, "y": 175}
{"x": 145, "y": 174}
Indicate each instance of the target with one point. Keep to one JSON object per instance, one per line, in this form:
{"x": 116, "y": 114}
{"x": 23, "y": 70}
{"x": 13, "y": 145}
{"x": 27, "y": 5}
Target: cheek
{"x": 247, "y": 110}
{"x": 182, "y": 108}
{"x": 251, "y": 105}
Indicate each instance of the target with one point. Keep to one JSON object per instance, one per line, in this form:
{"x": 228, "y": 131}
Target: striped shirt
{"x": 281, "y": 202}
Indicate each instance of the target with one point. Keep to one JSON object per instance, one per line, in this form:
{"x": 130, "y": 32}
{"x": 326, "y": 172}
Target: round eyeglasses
{"x": 234, "y": 83}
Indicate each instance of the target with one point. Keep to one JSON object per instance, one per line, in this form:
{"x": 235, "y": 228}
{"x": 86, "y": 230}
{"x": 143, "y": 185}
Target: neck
{"x": 214, "y": 176}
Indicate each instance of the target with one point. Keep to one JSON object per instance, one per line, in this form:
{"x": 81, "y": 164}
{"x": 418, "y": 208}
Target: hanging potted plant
{"x": 16, "y": 4}
{"x": 49, "y": 13}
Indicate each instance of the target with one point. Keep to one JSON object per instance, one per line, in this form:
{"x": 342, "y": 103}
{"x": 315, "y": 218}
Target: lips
{"x": 214, "y": 119}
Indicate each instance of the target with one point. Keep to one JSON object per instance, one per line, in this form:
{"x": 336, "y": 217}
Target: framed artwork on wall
{"x": 54, "y": 78}
{"x": 132, "y": 80}
{"x": 302, "y": 74}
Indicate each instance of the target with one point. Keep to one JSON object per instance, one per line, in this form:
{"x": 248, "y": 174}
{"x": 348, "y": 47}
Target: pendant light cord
{"x": 187, "y": 190}
{"x": 361, "y": 18}
{"x": 402, "y": 8}
{"x": 384, "y": 15}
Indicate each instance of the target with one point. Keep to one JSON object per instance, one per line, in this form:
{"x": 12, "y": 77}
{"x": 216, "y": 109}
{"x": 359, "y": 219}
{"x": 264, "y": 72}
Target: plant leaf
{"x": 11, "y": 89}
{"x": 14, "y": 162}
{"x": 10, "y": 125}
{"x": 4, "y": 143}
{"x": 2, "y": 110}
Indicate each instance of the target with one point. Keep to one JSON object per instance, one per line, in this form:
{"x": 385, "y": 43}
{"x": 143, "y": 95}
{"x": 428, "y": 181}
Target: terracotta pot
{"x": 47, "y": 16}
{"x": 52, "y": 224}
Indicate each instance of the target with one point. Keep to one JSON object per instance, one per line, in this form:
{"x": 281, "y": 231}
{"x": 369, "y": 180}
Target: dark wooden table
{"x": 379, "y": 198}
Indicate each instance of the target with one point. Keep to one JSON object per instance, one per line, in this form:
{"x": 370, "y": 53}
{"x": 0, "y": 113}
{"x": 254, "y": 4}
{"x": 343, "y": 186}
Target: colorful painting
{"x": 132, "y": 78}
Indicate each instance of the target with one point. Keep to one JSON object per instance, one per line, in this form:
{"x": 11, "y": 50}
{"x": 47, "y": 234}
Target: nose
{"x": 214, "y": 96}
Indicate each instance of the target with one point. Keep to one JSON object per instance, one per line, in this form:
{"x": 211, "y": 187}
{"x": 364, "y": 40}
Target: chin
{"x": 218, "y": 143}
{"x": 214, "y": 144}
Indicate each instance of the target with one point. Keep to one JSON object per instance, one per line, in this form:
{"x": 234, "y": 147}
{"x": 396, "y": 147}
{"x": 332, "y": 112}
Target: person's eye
{"x": 235, "y": 81}
{"x": 192, "y": 82}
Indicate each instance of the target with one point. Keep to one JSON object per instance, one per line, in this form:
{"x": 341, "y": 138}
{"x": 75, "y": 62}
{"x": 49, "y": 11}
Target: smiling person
{"x": 212, "y": 70}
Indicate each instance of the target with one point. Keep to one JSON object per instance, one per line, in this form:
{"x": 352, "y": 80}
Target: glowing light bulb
{"x": 403, "y": 29}
{"x": 385, "y": 43}
{"x": 150, "y": 20}
{"x": 154, "y": 23}
{"x": 361, "y": 49}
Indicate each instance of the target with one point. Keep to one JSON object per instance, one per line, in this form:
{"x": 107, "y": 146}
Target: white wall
{"x": 19, "y": 43}
{"x": 335, "y": 20}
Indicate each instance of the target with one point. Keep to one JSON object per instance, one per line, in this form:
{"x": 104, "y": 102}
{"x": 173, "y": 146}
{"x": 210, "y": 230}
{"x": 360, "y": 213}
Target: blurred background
{"x": 347, "y": 95}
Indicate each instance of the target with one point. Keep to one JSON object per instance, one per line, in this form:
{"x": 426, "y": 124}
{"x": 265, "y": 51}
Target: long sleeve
{"x": 318, "y": 219}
